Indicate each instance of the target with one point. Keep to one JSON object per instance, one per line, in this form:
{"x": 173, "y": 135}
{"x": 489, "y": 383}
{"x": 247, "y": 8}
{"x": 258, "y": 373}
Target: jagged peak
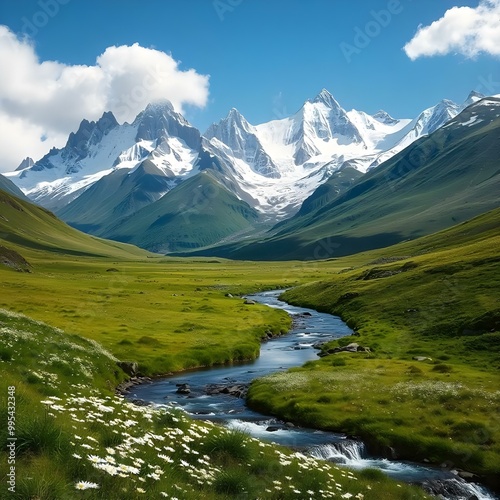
{"x": 473, "y": 97}
{"x": 26, "y": 163}
{"x": 325, "y": 97}
{"x": 235, "y": 115}
{"x": 446, "y": 102}
{"x": 384, "y": 117}
{"x": 474, "y": 93}
{"x": 159, "y": 106}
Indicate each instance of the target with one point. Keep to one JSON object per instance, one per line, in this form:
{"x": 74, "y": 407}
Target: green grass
{"x": 32, "y": 229}
{"x": 73, "y": 432}
{"x": 163, "y": 314}
{"x": 436, "y": 297}
{"x": 443, "y": 306}
{"x": 200, "y": 211}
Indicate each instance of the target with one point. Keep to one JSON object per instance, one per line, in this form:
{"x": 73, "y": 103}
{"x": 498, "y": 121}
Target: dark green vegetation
{"x": 197, "y": 213}
{"x": 114, "y": 197}
{"x": 440, "y": 180}
{"x": 429, "y": 311}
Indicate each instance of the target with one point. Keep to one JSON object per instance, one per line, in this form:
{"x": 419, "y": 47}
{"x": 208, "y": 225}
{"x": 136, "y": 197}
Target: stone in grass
{"x": 353, "y": 347}
{"x": 421, "y": 358}
{"x": 129, "y": 367}
{"x": 249, "y": 302}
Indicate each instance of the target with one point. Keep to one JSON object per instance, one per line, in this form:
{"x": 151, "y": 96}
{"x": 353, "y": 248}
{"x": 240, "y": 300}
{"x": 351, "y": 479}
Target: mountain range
{"x": 162, "y": 185}
{"x": 440, "y": 180}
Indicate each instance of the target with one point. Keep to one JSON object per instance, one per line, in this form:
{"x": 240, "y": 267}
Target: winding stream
{"x": 278, "y": 354}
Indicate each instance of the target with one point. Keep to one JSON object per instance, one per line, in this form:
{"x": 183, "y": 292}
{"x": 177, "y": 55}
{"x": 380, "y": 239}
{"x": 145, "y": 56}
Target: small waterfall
{"x": 456, "y": 489}
{"x": 341, "y": 452}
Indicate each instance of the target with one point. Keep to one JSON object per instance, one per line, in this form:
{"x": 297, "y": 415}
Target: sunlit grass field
{"x": 166, "y": 314}
{"x": 76, "y": 439}
{"x": 429, "y": 311}
{"x": 435, "y": 298}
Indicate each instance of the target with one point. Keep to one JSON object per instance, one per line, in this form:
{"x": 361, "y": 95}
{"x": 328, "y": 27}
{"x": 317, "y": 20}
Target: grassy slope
{"x": 166, "y": 312}
{"x": 32, "y": 229}
{"x": 198, "y": 212}
{"x": 438, "y": 298}
{"x": 113, "y": 197}
{"x": 69, "y": 428}
{"x": 8, "y": 186}
{"x": 167, "y": 315}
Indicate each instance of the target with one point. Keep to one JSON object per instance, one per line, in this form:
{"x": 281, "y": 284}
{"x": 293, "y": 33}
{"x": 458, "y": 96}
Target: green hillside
{"x": 33, "y": 230}
{"x": 115, "y": 196}
{"x": 197, "y": 213}
{"x": 8, "y": 186}
{"x": 428, "y": 311}
{"x": 440, "y": 180}
{"x": 166, "y": 315}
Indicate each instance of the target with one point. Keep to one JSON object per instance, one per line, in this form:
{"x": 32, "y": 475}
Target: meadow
{"x": 86, "y": 304}
{"x": 428, "y": 389}
{"x": 74, "y": 438}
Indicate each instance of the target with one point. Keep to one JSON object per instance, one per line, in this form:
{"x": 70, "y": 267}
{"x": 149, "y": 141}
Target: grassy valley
{"x": 87, "y": 304}
{"x": 440, "y": 180}
{"x": 429, "y": 312}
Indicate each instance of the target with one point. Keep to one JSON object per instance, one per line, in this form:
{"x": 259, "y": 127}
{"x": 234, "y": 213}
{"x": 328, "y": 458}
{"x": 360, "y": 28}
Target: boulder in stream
{"x": 183, "y": 389}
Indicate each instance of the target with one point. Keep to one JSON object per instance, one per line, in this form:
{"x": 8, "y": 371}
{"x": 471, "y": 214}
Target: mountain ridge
{"x": 424, "y": 188}
{"x": 108, "y": 172}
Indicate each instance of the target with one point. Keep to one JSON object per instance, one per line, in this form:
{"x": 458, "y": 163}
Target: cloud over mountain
{"x": 42, "y": 101}
{"x": 464, "y": 30}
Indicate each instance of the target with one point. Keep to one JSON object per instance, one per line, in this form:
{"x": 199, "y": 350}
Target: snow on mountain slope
{"x": 427, "y": 122}
{"x": 273, "y": 166}
{"x": 158, "y": 134}
{"x": 241, "y": 137}
{"x": 304, "y": 149}
{"x": 58, "y": 177}
{"x": 307, "y": 147}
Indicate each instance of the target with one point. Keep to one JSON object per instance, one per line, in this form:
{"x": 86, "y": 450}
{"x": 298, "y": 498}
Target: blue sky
{"x": 266, "y": 57}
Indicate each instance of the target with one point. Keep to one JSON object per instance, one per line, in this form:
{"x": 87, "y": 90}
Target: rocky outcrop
{"x": 183, "y": 389}
{"x": 14, "y": 260}
{"x": 124, "y": 387}
{"x": 129, "y": 367}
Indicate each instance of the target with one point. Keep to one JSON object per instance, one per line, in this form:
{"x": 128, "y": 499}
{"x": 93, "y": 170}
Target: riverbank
{"x": 428, "y": 388}
{"x": 75, "y": 439}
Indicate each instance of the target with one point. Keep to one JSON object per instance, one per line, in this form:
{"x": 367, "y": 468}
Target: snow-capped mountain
{"x": 302, "y": 151}
{"x": 26, "y": 163}
{"x": 273, "y": 166}
{"x": 241, "y": 137}
{"x": 427, "y": 122}
{"x": 99, "y": 148}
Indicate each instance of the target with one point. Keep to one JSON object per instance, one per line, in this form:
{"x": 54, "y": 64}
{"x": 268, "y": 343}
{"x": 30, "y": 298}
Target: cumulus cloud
{"x": 41, "y": 102}
{"x": 463, "y": 30}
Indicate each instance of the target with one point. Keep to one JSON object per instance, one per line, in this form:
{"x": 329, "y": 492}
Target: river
{"x": 278, "y": 354}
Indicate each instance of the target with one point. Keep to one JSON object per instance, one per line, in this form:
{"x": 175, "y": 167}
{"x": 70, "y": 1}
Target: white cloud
{"x": 41, "y": 102}
{"x": 463, "y": 30}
